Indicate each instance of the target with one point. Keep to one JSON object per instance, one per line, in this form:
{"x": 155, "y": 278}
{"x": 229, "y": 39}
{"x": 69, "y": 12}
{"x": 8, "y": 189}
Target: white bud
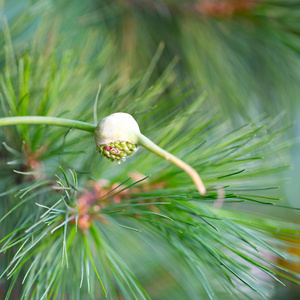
{"x": 116, "y": 136}
{"x": 117, "y": 127}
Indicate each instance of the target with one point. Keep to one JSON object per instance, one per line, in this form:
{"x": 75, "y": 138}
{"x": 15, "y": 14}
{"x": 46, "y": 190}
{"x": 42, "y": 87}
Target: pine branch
{"x": 98, "y": 228}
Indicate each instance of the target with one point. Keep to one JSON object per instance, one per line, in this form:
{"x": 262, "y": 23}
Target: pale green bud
{"x": 116, "y": 136}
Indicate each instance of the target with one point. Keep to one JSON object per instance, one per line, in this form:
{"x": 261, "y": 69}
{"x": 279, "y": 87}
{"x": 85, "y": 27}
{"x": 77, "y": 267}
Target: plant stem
{"x": 148, "y": 144}
{"x": 41, "y": 120}
{"x": 142, "y": 140}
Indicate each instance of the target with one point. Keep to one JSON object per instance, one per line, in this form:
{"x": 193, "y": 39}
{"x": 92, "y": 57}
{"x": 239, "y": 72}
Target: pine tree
{"x": 75, "y": 225}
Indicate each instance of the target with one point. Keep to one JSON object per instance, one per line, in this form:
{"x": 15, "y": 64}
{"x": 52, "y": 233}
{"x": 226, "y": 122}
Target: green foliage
{"x": 76, "y": 226}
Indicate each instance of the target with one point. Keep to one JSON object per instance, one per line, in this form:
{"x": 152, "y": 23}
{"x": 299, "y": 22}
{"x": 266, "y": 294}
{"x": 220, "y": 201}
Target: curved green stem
{"x": 148, "y": 144}
{"x": 41, "y": 120}
{"x": 142, "y": 140}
